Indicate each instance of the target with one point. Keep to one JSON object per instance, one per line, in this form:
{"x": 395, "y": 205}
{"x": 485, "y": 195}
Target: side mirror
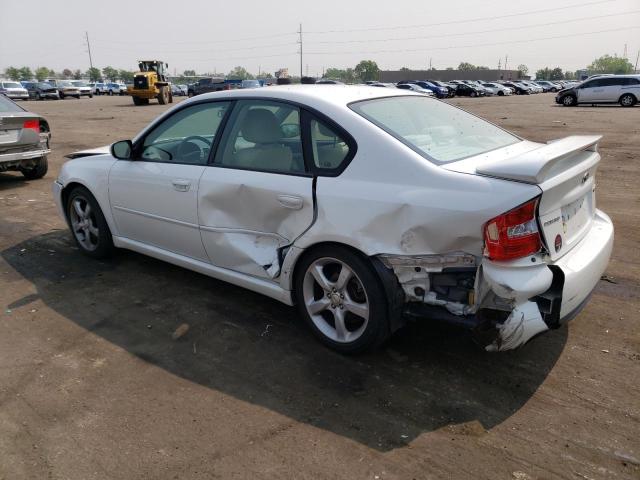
{"x": 122, "y": 150}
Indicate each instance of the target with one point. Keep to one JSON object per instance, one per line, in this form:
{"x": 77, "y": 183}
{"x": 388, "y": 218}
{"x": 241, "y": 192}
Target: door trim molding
{"x": 156, "y": 217}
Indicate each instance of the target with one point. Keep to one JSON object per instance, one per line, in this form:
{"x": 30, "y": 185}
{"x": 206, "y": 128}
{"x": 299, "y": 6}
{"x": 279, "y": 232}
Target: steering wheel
{"x": 190, "y": 152}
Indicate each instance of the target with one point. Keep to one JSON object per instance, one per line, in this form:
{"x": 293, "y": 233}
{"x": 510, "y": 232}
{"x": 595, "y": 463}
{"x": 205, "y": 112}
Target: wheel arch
{"x": 635, "y": 97}
{"x": 386, "y": 277}
{"x": 106, "y": 211}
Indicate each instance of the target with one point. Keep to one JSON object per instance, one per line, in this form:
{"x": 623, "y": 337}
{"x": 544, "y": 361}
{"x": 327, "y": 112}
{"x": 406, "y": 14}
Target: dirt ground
{"x": 92, "y": 386}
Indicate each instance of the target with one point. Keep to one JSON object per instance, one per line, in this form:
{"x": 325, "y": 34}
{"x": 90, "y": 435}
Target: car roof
{"x": 337, "y": 95}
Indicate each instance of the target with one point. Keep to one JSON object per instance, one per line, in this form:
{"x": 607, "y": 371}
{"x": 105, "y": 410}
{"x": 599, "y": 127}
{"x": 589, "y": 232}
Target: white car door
{"x": 257, "y": 197}
{"x": 154, "y": 197}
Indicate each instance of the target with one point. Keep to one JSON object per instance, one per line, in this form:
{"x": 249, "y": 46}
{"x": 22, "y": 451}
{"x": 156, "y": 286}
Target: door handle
{"x": 291, "y": 201}
{"x": 181, "y": 185}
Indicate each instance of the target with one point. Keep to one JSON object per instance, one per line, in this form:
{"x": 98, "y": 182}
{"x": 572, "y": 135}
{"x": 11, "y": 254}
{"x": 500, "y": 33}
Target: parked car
{"x": 24, "y": 140}
{"x": 414, "y": 88}
{"x": 328, "y": 81}
{"x": 535, "y": 88}
{"x": 622, "y": 89}
{"x": 478, "y": 84}
{"x": 65, "y": 88}
{"x": 207, "y": 85}
{"x": 451, "y": 89}
{"x": 184, "y": 89}
{"x": 83, "y": 87}
{"x": 41, "y": 90}
{"x": 467, "y": 90}
{"x": 99, "y": 88}
{"x": 548, "y": 86}
{"x": 440, "y": 92}
{"x": 13, "y": 90}
{"x": 115, "y": 89}
{"x": 498, "y": 89}
{"x": 518, "y": 88}
{"x": 468, "y": 224}
{"x": 175, "y": 90}
{"x": 250, "y": 84}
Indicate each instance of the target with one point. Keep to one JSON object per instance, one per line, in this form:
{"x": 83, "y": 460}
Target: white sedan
{"x": 362, "y": 206}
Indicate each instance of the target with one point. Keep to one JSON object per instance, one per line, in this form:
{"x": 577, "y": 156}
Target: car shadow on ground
{"x": 255, "y": 349}
{"x": 12, "y": 180}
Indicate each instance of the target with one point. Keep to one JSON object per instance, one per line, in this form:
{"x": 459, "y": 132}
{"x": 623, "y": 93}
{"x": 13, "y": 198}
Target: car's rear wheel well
{"x": 386, "y": 277}
{"x": 635, "y": 99}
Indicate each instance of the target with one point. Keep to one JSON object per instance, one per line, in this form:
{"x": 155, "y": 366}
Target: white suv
{"x": 622, "y": 89}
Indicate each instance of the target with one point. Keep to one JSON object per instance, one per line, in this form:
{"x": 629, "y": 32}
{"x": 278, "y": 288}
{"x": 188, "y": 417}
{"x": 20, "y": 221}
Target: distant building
{"x": 445, "y": 75}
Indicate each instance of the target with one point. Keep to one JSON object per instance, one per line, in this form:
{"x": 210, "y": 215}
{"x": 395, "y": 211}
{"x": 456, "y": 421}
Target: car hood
{"x": 90, "y": 152}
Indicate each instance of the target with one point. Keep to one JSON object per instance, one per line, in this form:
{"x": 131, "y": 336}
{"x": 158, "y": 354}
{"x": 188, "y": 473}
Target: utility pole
{"x": 637, "y": 58}
{"x": 86, "y": 34}
{"x": 506, "y": 59}
{"x": 624, "y": 55}
{"x": 300, "y": 42}
{"x": 430, "y": 63}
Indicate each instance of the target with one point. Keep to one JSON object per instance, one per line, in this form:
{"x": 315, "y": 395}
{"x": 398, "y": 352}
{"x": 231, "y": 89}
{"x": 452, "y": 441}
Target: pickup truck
{"x": 212, "y": 84}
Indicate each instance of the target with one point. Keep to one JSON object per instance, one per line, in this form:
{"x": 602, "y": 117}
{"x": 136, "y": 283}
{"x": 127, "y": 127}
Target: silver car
{"x": 24, "y": 140}
{"x": 14, "y": 90}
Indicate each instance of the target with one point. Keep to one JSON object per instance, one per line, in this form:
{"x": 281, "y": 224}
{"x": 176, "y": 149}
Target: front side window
{"x": 186, "y": 136}
{"x": 435, "y": 130}
{"x": 263, "y": 135}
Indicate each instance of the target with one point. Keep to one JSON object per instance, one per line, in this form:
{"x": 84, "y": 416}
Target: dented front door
{"x": 247, "y": 216}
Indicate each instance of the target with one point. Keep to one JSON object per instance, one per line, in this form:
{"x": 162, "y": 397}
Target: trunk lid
{"x": 563, "y": 169}
{"x": 11, "y": 131}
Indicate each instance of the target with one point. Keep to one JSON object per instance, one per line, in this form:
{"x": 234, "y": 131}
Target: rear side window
{"x": 435, "y": 130}
{"x": 330, "y": 150}
{"x": 629, "y": 81}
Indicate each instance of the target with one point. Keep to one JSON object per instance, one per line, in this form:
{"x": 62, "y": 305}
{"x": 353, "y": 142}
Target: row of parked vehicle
{"x": 473, "y": 88}
{"x": 55, "y": 89}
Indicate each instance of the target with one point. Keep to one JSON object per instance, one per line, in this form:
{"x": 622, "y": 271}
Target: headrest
{"x": 261, "y": 126}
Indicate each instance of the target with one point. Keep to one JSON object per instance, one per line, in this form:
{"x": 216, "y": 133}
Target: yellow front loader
{"x": 150, "y": 82}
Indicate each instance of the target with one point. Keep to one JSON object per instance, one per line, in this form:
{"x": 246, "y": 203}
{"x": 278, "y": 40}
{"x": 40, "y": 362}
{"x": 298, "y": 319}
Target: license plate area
{"x": 9, "y": 136}
{"x": 576, "y": 217}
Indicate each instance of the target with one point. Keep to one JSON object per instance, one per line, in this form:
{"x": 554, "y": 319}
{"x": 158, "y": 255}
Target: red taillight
{"x": 513, "y": 234}
{"x": 32, "y": 125}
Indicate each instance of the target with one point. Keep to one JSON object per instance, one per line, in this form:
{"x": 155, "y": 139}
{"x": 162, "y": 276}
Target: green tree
{"x": 522, "y": 68}
{"x": 42, "y": 73}
{"x": 94, "y": 74}
{"x": 556, "y": 74}
{"x": 405, "y": 69}
{"x": 609, "y": 64}
{"x": 110, "y": 73}
{"x": 367, "y": 70}
{"x": 466, "y": 66}
{"x": 26, "y": 73}
{"x": 13, "y": 73}
{"x": 77, "y": 74}
{"x": 125, "y": 75}
{"x": 189, "y": 73}
{"x": 240, "y": 73}
{"x": 52, "y": 72}
{"x": 67, "y": 73}
{"x": 568, "y": 75}
{"x": 543, "y": 74}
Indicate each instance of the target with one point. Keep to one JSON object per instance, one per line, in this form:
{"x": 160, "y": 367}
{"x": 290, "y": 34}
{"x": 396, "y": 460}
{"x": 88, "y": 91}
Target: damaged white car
{"x": 362, "y": 207}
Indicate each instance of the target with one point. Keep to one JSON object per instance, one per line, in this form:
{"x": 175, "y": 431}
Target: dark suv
{"x": 206, "y": 85}
{"x": 41, "y": 90}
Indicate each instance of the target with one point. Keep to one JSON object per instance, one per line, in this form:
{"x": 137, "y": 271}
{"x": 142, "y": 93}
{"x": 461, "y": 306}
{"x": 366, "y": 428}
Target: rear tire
{"x": 342, "y": 299}
{"x": 88, "y": 226}
{"x": 627, "y": 100}
{"x": 39, "y": 171}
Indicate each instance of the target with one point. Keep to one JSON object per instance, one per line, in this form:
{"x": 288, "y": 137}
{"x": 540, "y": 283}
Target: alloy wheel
{"x": 83, "y": 223}
{"x": 336, "y": 300}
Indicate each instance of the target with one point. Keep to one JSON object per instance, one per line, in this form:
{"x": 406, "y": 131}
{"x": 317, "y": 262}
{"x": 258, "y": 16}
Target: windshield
{"x": 65, "y": 83}
{"x": 434, "y": 129}
{"x": 45, "y": 85}
{"x": 7, "y": 105}
{"x": 79, "y": 83}
{"x": 11, "y": 85}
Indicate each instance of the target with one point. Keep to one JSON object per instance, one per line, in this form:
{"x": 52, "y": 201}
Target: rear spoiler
{"x": 534, "y": 166}
{"x": 87, "y": 153}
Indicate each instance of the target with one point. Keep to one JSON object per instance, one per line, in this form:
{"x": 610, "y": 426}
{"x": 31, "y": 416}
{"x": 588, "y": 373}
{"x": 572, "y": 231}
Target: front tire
{"x": 39, "y": 171}
{"x": 627, "y": 100}
{"x": 342, "y": 299}
{"x": 88, "y": 225}
{"x": 569, "y": 101}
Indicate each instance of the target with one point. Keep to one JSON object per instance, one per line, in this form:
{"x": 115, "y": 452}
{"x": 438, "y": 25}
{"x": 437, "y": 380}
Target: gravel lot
{"x": 92, "y": 385}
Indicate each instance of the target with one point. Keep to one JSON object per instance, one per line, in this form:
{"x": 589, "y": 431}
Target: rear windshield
{"x": 7, "y": 105}
{"x": 437, "y": 131}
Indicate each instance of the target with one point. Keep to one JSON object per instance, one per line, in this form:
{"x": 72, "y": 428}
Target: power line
{"x": 452, "y": 22}
{"x": 475, "y": 32}
{"x": 509, "y": 42}
{"x": 288, "y": 44}
{"x": 211, "y": 42}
